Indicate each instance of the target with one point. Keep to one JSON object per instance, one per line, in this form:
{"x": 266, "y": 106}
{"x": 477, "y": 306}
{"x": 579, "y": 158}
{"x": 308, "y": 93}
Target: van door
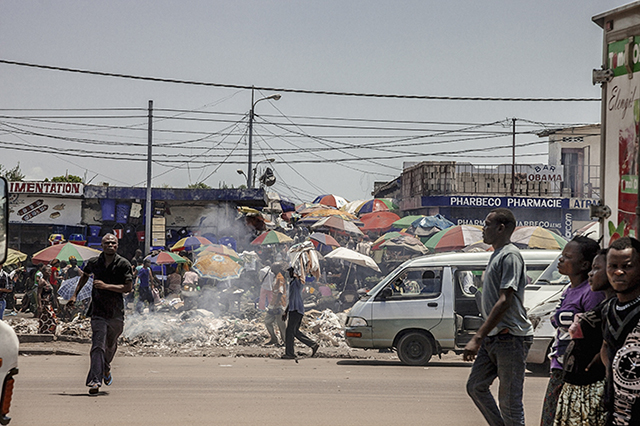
{"x": 467, "y": 283}
{"x": 413, "y": 299}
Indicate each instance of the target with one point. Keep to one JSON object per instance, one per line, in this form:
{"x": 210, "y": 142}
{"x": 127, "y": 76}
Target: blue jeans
{"x": 502, "y": 356}
{"x": 3, "y": 305}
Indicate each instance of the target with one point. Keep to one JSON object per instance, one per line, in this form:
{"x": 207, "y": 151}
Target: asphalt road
{"x": 251, "y": 391}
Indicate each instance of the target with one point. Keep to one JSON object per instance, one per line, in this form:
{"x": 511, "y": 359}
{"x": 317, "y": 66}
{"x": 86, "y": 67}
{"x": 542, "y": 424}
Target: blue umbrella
{"x": 68, "y": 287}
{"x": 438, "y": 221}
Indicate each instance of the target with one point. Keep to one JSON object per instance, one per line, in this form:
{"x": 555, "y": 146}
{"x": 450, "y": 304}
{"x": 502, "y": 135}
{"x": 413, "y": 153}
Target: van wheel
{"x": 415, "y": 349}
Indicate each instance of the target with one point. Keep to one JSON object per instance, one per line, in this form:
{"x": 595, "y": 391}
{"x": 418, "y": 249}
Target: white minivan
{"x": 428, "y": 305}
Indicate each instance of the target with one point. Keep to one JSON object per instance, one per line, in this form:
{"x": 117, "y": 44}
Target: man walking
{"x": 111, "y": 279}
{"x": 501, "y": 345}
{"x": 146, "y": 281}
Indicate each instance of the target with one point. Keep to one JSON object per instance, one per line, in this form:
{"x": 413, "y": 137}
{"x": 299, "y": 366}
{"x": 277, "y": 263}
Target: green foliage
{"x": 66, "y": 178}
{"x": 199, "y": 185}
{"x": 12, "y": 175}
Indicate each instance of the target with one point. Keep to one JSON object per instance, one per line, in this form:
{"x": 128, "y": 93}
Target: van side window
{"x": 469, "y": 281}
{"x": 421, "y": 283}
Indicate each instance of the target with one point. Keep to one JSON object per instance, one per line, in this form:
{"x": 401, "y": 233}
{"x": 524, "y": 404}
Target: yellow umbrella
{"x": 15, "y": 256}
{"x": 215, "y": 265}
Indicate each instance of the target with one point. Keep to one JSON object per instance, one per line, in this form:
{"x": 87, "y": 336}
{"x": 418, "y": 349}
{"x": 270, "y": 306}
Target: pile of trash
{"x": 197, "y": 332}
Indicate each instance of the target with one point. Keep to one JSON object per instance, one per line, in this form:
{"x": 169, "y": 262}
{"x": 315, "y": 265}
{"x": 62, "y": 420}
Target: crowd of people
{"x": 595, "y": 357}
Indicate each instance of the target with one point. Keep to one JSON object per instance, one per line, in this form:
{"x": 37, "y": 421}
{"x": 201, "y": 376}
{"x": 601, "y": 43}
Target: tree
{"x": 12, "y": 175}
{"x": 199, "y": 185}
{"x": 65, "y": 178}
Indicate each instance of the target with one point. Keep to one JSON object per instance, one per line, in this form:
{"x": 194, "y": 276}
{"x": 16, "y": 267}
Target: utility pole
{"x": 250, "y": 159}
{"x": 148, "y": 213}
{"x": 513, "y": 159}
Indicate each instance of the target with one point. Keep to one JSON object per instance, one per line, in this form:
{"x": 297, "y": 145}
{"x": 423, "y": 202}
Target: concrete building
{"x": 40, "y": 209}
{"x": 556, "y": 195}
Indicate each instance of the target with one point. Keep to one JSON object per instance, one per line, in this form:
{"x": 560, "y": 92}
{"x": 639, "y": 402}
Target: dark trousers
{"x": 145, "y": 295}
{"x": 293, "y": 330}
{"x": 104, "y": 344}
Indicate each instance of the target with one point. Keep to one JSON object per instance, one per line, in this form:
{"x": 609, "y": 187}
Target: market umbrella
{"x": 378, "y": 221}
{"x": 319, "y": 214}
{"x": 338, "y": 224}
{"x": 352, "y": 206}
{"x": 271, "y": 237}
{"x": 166, "y": 258}
{"x": 331, "y": 200}
{"x": 352, "y": 256}
{"x": 14, "y": 256}
{"x": 405, "y": 242}
{"x": 68, "y": 287}
{"x": 386, "y": 237}
{"x": 536, "y": 237}
{"x": 407, "y": 221}
{"x": 429, "y": 225}
{"x": 325, "y": 239}
{"x": 63, "y": 252}
{"x": 220, "y": 249}
{"x": 190, "y": 243}
{"x": 377, "y": 205}
{"x": 247, "y": 210}
{"x": 214, "y": 265}
{"x": 454, "y": 238}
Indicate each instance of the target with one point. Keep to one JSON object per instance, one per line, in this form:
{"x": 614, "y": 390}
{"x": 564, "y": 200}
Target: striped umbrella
{"x": 454, "y": 238}
{"x": 190, "y": 243}
{"x": 377, "y": 205}
{"x": 537, "y": 237}
{"x": 271, "y": 237}
{"x": 331, "y": 200}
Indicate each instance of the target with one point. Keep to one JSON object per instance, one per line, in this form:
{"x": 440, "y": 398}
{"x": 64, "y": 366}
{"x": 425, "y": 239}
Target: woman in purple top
{"x": 575, "y": 262}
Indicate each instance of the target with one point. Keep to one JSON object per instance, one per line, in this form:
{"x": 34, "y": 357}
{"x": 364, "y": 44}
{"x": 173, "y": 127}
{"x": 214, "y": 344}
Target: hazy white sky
{"x": 458, "y": 48}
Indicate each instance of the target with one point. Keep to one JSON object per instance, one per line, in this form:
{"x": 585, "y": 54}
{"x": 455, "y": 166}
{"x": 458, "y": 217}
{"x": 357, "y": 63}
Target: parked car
{"x": 428, "y": 305}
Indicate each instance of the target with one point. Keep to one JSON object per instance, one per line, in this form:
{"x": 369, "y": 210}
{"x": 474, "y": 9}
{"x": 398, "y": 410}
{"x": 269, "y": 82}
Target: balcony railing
{"x": 447, "y": 178}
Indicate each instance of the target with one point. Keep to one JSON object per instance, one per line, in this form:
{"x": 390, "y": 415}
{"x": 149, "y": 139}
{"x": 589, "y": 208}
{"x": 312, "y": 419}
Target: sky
{"x": 55, "y": 122}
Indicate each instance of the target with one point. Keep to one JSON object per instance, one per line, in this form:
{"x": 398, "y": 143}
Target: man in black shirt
{"x": 621, "y": 348}
{"x": 111, "y": 278}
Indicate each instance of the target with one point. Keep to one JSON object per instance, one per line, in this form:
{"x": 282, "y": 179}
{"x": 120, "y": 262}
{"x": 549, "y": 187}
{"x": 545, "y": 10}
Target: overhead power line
{"x": 289, "y": 90}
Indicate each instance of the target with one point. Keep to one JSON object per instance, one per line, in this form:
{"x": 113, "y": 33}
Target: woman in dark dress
{"x": 581, "y": 401}
{"x": 46, "y": 300}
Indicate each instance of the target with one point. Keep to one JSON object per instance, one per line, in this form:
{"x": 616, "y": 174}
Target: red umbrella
{"x": 378, "y": 221}
{"x": 325, "y": 239}
{"x": 63, "y": 251}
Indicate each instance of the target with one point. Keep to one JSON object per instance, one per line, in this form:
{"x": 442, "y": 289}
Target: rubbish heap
{"x": 199, "y": 332}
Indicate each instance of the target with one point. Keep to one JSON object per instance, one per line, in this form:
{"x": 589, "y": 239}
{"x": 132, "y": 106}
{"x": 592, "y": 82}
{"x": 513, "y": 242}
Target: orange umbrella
{"x": 378, "y": 221}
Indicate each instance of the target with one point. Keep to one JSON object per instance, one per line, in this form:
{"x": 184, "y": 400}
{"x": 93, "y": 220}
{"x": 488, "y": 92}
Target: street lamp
{"x": 241, "y": 172}
{"x": 250, "y": 179}
{"x": 255, "y": 169}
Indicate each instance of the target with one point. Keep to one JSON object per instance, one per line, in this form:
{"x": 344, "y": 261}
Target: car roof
{"x": 475, "y": 258}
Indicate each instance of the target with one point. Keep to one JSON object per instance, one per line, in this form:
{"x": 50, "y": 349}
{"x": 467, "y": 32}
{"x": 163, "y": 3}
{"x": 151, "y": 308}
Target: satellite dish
{"x": 268, "y": 178}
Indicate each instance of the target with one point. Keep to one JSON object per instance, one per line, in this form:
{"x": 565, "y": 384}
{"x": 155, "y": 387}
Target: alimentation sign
{"x": 71, "y": 189}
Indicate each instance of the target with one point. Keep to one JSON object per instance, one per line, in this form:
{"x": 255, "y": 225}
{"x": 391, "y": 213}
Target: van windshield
{"x": 384, "y": 282}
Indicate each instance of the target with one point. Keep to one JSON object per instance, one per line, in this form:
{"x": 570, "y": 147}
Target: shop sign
{"x": 72, "y": 189}
{"x": 44, "y": 210}
{"x": 544, "y": 173}
{"x": 507, "y": 202}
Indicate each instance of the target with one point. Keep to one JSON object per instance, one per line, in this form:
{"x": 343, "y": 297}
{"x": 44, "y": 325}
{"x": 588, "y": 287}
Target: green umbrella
{"x": 63, "y": 252}
{"x": 406, "y": 221}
